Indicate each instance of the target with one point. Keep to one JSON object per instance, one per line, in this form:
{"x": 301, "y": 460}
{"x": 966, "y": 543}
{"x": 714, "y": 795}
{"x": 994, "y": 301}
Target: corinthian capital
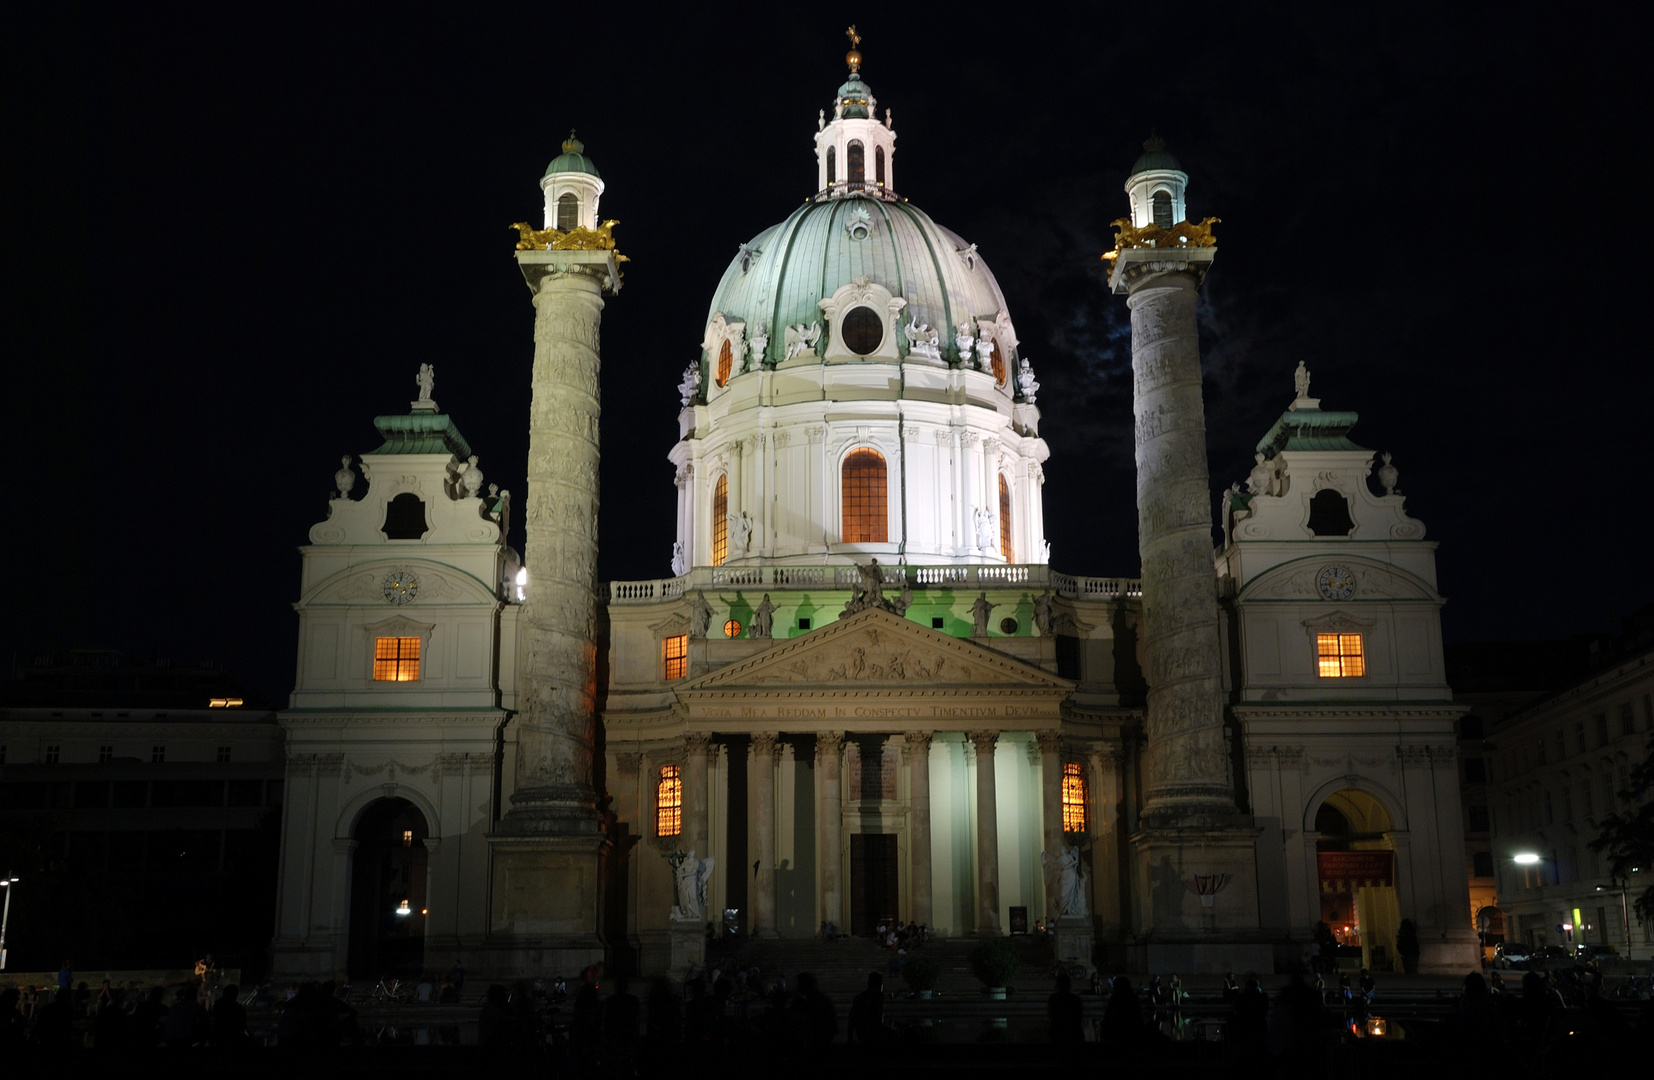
{"x": 983, "y": 740}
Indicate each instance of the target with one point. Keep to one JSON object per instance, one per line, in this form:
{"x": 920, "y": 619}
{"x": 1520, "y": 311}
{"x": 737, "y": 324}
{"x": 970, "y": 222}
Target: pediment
{"x": 876, "y": 650}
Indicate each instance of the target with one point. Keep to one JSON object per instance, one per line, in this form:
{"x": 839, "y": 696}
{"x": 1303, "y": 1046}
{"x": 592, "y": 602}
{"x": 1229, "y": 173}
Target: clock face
{"x": 400, "y": 586}
{"x": 1336, "y": 582}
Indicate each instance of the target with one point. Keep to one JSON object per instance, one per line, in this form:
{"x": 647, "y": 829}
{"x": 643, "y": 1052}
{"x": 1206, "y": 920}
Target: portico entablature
{"x": 874, "y": 671}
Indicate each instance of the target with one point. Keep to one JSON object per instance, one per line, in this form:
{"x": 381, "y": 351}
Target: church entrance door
{"x": 387, "y": 891}
{"x": 873, "y": 892}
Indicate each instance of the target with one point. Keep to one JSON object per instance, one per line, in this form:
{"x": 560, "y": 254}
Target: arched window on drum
{"x": 568, "y": 212}
{"x": 864, "y": 494}
{"x": 1006, "y": 548}
{"x": 720, "y": 521}
{"x": 726, "y": 360}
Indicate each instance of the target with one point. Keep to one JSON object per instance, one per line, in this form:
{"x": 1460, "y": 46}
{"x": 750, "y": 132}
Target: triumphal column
{"x": 548, "y": 848}
{"x": 1194, "y": 859}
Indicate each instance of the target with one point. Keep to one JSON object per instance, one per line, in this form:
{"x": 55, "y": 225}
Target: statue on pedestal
{"x": 689, "y": 879}
{"x": 1071, "y": 902}
{"x": 980, "y": 610}
{"x": 763, "y": 618}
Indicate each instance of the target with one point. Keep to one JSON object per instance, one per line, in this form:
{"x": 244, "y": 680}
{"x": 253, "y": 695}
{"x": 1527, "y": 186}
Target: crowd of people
{"x": 746, "y": 1014}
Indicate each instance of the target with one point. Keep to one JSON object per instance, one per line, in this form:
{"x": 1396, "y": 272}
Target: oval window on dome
{"x": 862, "y": 329}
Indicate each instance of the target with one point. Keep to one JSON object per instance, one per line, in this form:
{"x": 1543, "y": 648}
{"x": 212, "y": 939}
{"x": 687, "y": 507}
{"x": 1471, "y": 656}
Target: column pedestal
{"x": 688, "y": 938}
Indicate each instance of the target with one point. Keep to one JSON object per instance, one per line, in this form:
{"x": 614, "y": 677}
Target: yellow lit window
{"x": 996, "y": 363}
{"x": 1339, "y": 656}
{"x": 1006, "y": 548}
{"x": 396, "y": 659}
{"x": 866, "y": 506}
{"x": 732, "y": 628}
{"x": 674, "y": 657}
{"x": 726, "y": 358}
{"x": 720, "y": 521}
{"x": 669, "y": 802}
{"x": 1073, "y": 798}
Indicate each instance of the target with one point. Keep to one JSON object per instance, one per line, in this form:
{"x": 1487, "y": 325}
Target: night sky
{"x": 232, "y": 243}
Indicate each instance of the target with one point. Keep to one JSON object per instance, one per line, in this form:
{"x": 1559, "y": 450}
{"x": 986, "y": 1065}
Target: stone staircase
{"x": 841, "y": 967}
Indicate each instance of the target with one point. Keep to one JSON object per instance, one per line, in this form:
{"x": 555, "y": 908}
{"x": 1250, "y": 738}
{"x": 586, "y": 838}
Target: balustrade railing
{"x": 783, "y": 578}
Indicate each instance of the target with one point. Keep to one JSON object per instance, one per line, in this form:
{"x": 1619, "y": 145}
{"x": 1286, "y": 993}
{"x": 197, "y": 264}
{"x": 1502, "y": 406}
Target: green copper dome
{"x": 780, "y": 277}
{"x": 573, "y": 159}
{"x": 856, "y": 98}
{"x": 1155, "y": 158}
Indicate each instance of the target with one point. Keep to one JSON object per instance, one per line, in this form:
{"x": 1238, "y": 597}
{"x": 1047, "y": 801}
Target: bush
{"x": 921, "y": 973}
{"x": 994, "y": 961}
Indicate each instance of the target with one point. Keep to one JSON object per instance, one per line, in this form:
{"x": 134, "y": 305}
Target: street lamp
{"x": 5, "y": 883}
{"x": 1625, "y": 919}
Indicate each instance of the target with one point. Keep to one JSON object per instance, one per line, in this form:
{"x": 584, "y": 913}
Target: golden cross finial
{"x": 855, "y": 38}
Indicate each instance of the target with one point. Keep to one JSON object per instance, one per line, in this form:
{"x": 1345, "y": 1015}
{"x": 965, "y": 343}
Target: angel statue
{"x": 799, "y": 337}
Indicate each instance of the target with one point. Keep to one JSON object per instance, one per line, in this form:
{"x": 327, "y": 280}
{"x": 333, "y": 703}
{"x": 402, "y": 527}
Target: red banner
{"x": 1347, "y": 871}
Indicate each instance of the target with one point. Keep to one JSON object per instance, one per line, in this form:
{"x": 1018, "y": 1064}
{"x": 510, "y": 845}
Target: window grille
{"x": 865, "y": 501}
{"x": 396, "y": 659}
{"x": 1339, "y": 656}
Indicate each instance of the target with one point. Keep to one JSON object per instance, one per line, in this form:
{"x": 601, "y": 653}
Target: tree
{"x": 1627, "y": 835}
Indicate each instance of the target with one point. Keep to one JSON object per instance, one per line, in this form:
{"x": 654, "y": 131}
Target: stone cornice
{"x": 1335, "y": 713}
{"x": 306, "y": 719}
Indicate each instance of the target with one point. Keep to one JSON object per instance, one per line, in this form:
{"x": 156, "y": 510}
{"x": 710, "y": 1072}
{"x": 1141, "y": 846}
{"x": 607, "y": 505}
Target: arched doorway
{"x": 387, "y": 891}
{"x": 1356, "y": 868}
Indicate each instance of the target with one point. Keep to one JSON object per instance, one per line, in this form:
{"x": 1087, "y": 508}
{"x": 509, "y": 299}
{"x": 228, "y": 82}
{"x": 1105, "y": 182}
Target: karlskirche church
{"x": 863, "y": 693}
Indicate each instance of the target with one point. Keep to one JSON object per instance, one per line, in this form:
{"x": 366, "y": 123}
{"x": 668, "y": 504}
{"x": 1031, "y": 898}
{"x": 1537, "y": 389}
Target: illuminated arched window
{"x": 855, "y": 162}
{"x": 568, "y": 212}
{"x": 726, "y": 358}
{"x": 720, "y": 521}
{"x": 669, "y": 802}
{"x": 865, "y": 505}
{"x": 1163, "y": 209}
{"x": 996, "y": 363}
{"x": 832, "y": 167}
{"x": 878, "y": 165}
{"x": 1006, "y": 548}
{"x": 1074, "y": 800}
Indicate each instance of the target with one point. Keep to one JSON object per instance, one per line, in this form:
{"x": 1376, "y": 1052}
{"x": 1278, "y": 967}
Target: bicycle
{"x": 394, "y": 991}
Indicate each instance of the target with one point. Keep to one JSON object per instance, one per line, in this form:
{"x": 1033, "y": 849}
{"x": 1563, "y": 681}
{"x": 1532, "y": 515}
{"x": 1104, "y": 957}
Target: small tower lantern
{"x": 1156, "y": 187}
{"x": 572, "y": 188}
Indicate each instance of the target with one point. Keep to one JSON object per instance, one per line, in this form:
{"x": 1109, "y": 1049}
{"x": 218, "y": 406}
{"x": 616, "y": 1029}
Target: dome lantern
{"x": 854, "y": 151}
{"x": 573, "y": 187}
{"x": 1156, "y": 186}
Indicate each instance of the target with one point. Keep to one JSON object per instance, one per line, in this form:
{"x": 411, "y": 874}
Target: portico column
{"x": 987, "y": 834}
{"x": 918, "y": 787}
{"x": 696, "y": 747}
{"x": 766, "y": 753}
{"x": 1050, "y": 751}
{"x": 829, "y": 747}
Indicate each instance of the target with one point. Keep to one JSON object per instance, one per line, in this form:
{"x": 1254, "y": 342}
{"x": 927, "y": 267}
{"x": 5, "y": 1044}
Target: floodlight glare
{"x": 1526, "y": 858}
